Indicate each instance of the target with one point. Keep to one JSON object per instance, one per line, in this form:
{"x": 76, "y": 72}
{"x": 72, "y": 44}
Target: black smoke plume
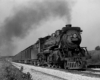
{"x": 30, "y": 17}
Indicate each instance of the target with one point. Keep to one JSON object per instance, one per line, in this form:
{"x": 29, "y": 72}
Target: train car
{"x": 27, "y": 55}
{"x": 17, "y": 58}
{"x": 60, "y": 49}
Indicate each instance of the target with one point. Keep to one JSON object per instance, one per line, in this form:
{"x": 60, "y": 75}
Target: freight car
{"x": 61, "y": 49}
{"x": 27, "y": 55}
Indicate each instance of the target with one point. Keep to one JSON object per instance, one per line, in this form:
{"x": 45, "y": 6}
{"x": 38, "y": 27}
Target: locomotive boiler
{"x": 60, "y": 49}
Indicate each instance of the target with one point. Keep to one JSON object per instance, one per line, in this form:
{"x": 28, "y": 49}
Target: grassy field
{"x": 9, "y": 72}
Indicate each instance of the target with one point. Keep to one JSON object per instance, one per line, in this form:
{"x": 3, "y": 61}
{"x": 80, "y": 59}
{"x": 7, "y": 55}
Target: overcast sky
{"x": 83, "y": 13}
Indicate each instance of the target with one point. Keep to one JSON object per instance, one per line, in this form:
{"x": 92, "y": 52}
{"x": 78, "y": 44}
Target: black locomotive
{"x": 60, "y": 49}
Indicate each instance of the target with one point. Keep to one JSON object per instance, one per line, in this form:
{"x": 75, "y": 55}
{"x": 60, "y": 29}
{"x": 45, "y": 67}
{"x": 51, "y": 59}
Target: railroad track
{"x": 85, "y": 72}
{"x": 88, "y": 70}
{"x": 89, "y": 73}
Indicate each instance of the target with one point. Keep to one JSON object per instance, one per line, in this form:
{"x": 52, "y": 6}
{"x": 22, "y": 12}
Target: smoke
{"x": 30, "y": 17}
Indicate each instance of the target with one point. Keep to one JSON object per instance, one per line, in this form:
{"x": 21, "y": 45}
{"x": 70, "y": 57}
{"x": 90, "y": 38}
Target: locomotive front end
{"x": 75, "y": 60}
{"x": 75, "y": 56}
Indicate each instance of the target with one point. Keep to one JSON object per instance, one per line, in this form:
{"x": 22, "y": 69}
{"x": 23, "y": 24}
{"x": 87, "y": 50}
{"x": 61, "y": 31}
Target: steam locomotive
{"x": 60, "y": 49}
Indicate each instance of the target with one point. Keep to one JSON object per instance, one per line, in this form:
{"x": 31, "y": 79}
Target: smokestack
{"x": 68, "y": 25}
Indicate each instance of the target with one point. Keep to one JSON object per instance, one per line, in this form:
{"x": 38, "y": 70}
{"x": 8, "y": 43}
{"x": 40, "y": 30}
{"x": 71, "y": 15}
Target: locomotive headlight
{"x": 74, "y": 38}
{"x": 74, "y": 35}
